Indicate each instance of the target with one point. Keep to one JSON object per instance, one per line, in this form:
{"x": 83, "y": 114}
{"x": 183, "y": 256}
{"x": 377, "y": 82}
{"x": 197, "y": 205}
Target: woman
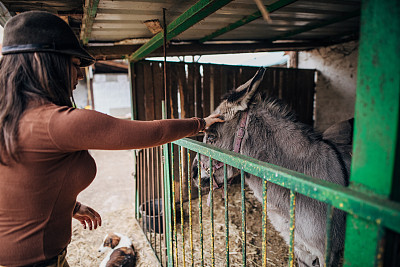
{"x": 44, "y": 141}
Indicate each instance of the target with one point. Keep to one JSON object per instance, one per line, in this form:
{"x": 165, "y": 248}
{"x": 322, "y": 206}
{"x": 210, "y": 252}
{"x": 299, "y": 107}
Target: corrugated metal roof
{"x": 116, "y": 29}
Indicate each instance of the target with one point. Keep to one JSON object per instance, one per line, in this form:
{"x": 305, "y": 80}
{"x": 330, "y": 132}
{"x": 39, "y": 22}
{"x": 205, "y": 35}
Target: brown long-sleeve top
{"x": 37, "y": 195}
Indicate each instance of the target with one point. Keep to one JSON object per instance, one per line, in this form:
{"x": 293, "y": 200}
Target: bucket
{"x": 151, "y": 219}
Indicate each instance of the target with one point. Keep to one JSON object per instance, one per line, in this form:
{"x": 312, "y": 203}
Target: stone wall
{"x": 335, "y": 83}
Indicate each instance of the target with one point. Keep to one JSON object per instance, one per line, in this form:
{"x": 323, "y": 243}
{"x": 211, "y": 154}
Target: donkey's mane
{"x": 274, "y": 106}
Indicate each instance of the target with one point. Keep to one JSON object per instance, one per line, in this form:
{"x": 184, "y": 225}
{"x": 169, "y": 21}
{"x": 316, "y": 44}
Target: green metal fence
{"x": 372, "y": 199}
{"x": 382, "y": 212}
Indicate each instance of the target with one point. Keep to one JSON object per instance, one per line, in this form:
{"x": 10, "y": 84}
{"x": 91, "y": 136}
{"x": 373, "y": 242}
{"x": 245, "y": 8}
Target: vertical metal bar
{"x": 135, "y": 182}
{"x": 242, "y": 183}
{"x": 140, "y": 184}
{"x": 264, "y": 224}
{"x": 166, "y": 194}
{"x": 212, "y": 214}
{"x": 292, "y": 227}
{"x": 142, "y": 192}
{"x": 376, "y": 130}
{"x": 174, "y": 204}
{"x": 181, "y": 204}
{"x": 148, "y": 192}
{"x": 143, "y": 182}
{"x": 161, "y": 206}
{"x": 132, "y": 79}
{"x": 131, "y": 74}
{"x": 226, "y": 216}
{"x": 144, "y": 203}
{"x": 165, "y": 59}
{"x": 159, "y": 199}
{"x": 153, "y": 209}
{"x": 200, "y": 212}
{"x": 329, "y": 215}
{"x": 190, "y": 209}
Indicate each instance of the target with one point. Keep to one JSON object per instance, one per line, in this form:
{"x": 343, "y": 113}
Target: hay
{"x": 277, "y": 250}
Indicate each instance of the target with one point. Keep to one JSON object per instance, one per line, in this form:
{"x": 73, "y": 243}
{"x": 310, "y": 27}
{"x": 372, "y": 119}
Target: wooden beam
{"x": 90, "y": 11}
{"x": 123, "y": 51}
{"x": 193, "y": 15}
{"x": 271, "y": 8}
{"x": 5, "y": 15}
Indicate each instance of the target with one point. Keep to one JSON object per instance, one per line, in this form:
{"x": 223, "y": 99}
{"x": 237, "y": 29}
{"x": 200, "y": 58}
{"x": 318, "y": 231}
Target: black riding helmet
{"x": 39, "y": 31}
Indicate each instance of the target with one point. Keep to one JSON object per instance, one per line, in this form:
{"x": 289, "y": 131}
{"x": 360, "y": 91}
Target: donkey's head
{"x": 223, "y": 135}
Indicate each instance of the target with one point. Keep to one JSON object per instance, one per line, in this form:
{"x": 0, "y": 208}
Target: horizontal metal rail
{"x": 371, "y": 207}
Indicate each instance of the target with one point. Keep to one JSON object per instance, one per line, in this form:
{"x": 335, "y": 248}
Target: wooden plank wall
{"x": 201, "y": 86}
{"x": 195, "y": 89}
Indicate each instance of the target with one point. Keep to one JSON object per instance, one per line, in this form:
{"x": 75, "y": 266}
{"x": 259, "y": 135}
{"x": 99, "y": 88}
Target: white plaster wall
{"x": 111, "y": 93}
{"x": 336, "y": 81}
{"x": 81, "y": 95}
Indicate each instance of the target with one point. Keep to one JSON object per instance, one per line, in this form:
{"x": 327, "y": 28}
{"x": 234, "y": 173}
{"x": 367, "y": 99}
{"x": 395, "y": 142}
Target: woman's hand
{"x": 213, "y": 118}
{"x": 87, "y": 216}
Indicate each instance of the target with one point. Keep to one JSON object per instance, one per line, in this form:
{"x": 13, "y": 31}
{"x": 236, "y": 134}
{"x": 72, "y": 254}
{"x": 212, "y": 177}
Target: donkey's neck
{"x": 283, "y": 141}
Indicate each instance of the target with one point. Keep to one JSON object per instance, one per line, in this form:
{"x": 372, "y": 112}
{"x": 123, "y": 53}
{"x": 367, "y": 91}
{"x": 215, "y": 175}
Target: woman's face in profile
{"x": 76, "y": 72}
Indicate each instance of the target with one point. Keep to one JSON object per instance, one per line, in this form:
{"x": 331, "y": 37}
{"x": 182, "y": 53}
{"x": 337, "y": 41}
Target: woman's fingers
{"x": 213, "y": 118}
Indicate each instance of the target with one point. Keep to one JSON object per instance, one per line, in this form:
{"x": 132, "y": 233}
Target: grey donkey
{"x": 272, "y": 134}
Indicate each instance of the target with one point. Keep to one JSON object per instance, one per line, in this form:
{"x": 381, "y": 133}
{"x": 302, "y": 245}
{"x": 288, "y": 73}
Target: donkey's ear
{"x": 242, "y": 95}
{"x": 238, "y": 99}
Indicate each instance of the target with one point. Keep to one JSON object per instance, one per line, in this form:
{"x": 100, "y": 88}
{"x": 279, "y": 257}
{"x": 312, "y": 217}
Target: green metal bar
{"x": 193, "y": 15}
{"x": 212, "y": 215}
{"x": 133, "y": 108}
{"x": 382, "y": 211}
{"x": 200, "y": 212}
{"x": 376, "y": 132}
{"x": 190, "y": 209}
{"x": 317, "y": 25}
{"x": 167, "y": 199}
{"x": 89, "y": 15}
{"x": 292, "y": 227}
{"x": 174, "y": 204}
{"x": 226, "y": 216}
{"x": 329, "y": 216}
{"x": 271, "y": 8}
{"x": 181, "y": 205}
{"x": 242, "y": 183}
{"x": 264, "y": 224}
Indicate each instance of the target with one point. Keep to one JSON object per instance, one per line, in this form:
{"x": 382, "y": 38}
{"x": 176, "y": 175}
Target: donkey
{"x": 272, "y": 134}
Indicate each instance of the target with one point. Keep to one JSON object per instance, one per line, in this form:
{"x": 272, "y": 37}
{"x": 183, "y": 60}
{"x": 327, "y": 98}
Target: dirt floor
{"x": 112, "y": 195}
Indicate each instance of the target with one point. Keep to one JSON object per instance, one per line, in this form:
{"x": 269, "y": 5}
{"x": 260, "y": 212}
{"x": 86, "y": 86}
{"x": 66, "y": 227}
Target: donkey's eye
{"x": 211, "y": 138}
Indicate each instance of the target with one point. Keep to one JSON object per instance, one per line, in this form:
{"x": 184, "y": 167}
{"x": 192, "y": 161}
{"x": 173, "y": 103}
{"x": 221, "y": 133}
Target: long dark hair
{"x": 25, "y": 77}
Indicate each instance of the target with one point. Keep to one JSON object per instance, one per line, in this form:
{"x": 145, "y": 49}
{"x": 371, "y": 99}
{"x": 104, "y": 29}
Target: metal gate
{"x": 371, "y": 200}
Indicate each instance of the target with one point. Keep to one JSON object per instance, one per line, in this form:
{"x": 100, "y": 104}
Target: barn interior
{"x": 322, "y": 39}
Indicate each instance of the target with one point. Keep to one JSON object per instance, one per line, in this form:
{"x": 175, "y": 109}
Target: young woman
{"x": 44, "y": 141}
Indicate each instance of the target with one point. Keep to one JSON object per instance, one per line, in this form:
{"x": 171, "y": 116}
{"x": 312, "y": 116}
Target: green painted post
{"x": 226, "y": 216}
{"x": 200, "y": 212}
{"x": 167, "y": 198}
{"x": 376, "y": 124}
{"x": 264, "y": 223}
{"x": 292, "y": 227}
{"x": 242, "y": 186}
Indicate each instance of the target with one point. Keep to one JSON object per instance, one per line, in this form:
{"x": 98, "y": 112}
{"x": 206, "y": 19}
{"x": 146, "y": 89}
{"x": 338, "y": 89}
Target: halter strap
{"x": 236, "y": 148}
